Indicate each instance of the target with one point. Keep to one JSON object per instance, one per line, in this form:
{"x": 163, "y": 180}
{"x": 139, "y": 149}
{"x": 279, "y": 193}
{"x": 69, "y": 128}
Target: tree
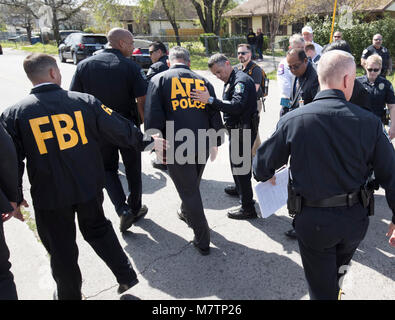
{"x": 171, "y": 8}
{"x": 210, "y": 14}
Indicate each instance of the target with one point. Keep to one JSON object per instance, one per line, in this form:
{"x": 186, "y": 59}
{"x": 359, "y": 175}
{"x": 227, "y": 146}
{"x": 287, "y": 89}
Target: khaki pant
{"x": 257, "y": 141}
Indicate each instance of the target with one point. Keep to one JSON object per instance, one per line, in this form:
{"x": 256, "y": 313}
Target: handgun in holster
{"x": 367, "y": 196}
{"x": 294, "y": 202}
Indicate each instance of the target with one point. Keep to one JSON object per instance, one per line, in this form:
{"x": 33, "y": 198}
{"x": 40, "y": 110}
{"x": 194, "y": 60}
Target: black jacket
{"x": 8, "y": 172}
{"x": 168, "y": 99}
{"x": 58, "y": 132}
{"x": 308, "y": 87}
{"x": 333, "y": 145}
{"x": 113, "y": 79}
{"x": 239, "y": 99}
{"x": 157, "y": 67}
{"x": 383, "y": 53}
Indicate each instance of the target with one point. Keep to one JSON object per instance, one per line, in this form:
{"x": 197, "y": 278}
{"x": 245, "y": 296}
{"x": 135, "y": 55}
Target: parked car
{"x": 78, "y": 46}
{"x": 64, "y": 33}
{"x": 1, "y": 49}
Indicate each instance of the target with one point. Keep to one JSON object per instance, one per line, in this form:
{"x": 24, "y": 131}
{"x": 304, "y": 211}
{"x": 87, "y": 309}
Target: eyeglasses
{"x": 378, "y": 39}
{"x": 295, "y": 67}
{"x": 337, "y": 36}
{"x": 242, "y": 53}
{"x": 373, "y": 70}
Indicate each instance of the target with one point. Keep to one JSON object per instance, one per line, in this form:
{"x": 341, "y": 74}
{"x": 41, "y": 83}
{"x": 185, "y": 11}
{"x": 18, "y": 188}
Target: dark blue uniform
{"x": 157, "y": 67}
{"x": 58, "y": 132}
{"x": 8, "y": 192}
{"x": 168, "y": 101}
{"x": 380, "y": 93}
{"x": 239, "y": 106}
{"x": 383, "y": 53}
{"x": 116, "y": 81}
{"x": 333, "y": 145}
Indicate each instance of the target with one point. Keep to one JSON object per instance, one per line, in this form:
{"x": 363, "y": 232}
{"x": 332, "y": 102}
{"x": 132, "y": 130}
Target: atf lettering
{"x": 177, "y": 88}
{"x": 60, "y": 131}
{"x": 181, "y": 93}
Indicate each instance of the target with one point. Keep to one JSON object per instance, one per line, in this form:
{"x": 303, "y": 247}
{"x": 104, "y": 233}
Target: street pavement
{"x": 249, "y": 260}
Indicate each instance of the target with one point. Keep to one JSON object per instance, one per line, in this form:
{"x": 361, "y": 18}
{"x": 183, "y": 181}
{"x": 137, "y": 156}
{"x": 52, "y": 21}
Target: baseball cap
{"x": 307, "y": 29}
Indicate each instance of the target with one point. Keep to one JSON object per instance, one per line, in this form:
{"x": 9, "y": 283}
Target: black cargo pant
{"x": 328, "y": 238}
{"x": 132, "y": 161}
{"x": 7, "y": 285}
{"x": 242, "y": 181}
{"x": 186, "y": 178}
{"x": 57, "y": 232}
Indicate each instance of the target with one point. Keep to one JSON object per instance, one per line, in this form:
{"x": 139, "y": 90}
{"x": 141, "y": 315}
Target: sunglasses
{"x": 373, "y": 70}
{"x": 295, "y": 67}
{"x": 377, "y": 39}
{"x": 151, "y": 52}
{"x": 337, "y": 36}
{"x": 242, "y": 53}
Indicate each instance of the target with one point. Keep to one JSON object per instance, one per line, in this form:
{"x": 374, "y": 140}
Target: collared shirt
{"x": 285, "y": 79}
{"x": 305, "y": 87}
{"x": 255, "y": 72}
{"x": 382, "y": 52}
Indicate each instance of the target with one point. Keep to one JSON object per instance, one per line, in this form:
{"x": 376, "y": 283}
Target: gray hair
{"x": 296, "y": 38}
{"x": 334, "y": 65}
{"x": 217, "y": 58}
{"x": 179, "y": 53}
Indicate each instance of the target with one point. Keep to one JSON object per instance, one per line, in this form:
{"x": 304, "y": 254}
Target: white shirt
{"x": 285, "y": 79}
{"x": 317, "y": 47}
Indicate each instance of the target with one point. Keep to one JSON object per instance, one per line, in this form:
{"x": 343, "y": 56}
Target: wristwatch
{"x": 210, "y": 100}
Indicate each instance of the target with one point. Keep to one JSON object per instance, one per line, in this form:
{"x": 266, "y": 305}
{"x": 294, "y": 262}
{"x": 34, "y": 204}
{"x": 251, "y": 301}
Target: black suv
{"x": 78, "y": 46}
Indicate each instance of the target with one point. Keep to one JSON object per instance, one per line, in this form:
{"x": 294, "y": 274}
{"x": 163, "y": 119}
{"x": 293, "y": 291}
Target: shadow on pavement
{"x": 232, "y": 271}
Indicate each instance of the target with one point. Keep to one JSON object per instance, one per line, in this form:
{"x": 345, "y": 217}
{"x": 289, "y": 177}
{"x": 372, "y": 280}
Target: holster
{"x": 367, "y": 197}
{"x": 294, "y": 202}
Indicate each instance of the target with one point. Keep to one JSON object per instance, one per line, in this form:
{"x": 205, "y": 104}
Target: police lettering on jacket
{"x": 181, "y": 93}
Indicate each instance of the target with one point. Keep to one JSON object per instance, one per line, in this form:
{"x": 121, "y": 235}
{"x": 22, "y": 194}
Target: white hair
{"x": 333, "y": 66}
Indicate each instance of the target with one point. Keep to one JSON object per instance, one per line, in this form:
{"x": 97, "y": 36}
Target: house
{"x": 254, "y": 14}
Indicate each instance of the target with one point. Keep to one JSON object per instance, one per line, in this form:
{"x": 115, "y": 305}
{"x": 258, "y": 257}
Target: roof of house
{"x": 260, "y": 7}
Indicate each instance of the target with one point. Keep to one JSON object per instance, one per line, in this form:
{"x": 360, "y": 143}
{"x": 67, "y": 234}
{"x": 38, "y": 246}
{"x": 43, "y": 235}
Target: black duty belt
{"x": 337, "y": 201}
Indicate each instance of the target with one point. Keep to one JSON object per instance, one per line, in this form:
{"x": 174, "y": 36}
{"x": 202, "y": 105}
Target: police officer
{"x": 169, "y": 103}
{"x": 325, "y": 140}
{"x": 58, "y": 132}
{"x": 8, "y": 205}
{"x": 158, "y": 54}
{"x": 381, "y": 91}
{"x": 305, "y": 85}
{"x": 241, "y": 120}
{"x": 378, "y": 48}
{"x": 117, "y": 81}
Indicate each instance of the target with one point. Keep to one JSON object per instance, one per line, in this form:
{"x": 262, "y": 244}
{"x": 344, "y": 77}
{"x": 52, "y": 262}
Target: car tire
{"x": 61, "y": 58}
{"x": 75, "y": 59}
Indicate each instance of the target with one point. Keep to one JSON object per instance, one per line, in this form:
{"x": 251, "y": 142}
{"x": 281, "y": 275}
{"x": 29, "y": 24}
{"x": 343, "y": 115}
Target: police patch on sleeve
{"x": 280, "y": 69}
{"x": 239, "y": 88}
{"x": 143, "y": 74}
{"x": 381, "y": 86}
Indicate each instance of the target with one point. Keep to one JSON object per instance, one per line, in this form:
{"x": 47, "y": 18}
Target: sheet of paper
{"x": 272, "y": 198}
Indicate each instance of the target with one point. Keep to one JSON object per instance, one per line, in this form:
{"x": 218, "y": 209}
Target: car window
{"x": 138, "y": 43}
{"x": 94, "y": 40}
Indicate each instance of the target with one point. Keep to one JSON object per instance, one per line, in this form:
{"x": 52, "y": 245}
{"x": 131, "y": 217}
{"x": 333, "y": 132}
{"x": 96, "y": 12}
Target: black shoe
{"x": 231, "y": 190}
{"x": 182, "y": 216}
{"x": 126, "y": 286}
{"x": 158, "y": 165}
{"x": 240, "y": 214}
{"x": 141, "y": 213}
{"x": 126, "y": 219}
{"x": 203, "y": 252}
{"x": 291, "y": 234}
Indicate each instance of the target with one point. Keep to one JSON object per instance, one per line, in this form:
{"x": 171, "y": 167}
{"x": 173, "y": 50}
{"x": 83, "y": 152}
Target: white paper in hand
{"x": 273, "y": 197}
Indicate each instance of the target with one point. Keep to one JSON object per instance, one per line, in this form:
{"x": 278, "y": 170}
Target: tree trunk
{"x": 28, "y": 28}
{"x": 55, "y": 25}
{"x": 172, "y": 20}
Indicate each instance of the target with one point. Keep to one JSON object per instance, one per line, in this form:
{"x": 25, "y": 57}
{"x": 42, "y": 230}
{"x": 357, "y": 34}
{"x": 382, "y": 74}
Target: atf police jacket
{"x": 157, "y": 67}
{"x": 168, "y": 99}
{"x": 113, "y": 79}
{"x": 380, "y": 93}
{"x": 239, "y": 100}
{"x": 8, "y": 172}
{"x": 308, "y": 87}
{"x": 58, "y": 132}
{"x": 333, "y": 145}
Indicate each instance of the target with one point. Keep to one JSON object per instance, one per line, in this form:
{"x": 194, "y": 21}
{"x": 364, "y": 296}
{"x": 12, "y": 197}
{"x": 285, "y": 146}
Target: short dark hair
{"x": 158, "y": 45}
{"x": 300, "y": 52}
{"x": 337, "y": 45}
{"x": 217, "y": 58}
{"x": 245, "y": 45}
{"x": 37, "y": 64}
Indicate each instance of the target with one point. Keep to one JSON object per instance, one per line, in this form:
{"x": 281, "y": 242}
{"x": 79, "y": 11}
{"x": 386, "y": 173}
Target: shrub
{"x": 210, "y": 41}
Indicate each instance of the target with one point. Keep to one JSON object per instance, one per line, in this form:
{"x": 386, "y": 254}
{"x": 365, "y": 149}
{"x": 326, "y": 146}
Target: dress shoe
{"x": 241, "y": 214}
{"x": 291, "y": 234}
{"x": 126, "y": 286}
{"x": 203, "y": 252}
{"x": 126, "y": 219}
{"x": 141, "y": 213}
{"x": 182, "y": 216}
{"x": 232, "y": 191}
{"x": 157, "y": 165}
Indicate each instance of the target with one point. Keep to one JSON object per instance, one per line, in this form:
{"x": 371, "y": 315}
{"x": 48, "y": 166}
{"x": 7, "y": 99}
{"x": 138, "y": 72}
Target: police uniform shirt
{"x": 58, "y": 132}
{"x": 256, "y": 75}
{"x": 285, "y": 79}
{"x": 113, "y": 79}
{"x": 8, "y": 172}
{"x": 157, "y": 67}
{"x": 332, "y": 144}
{"x": 305, "y": 87}
{"x": 380, "y": 93}
{"x": 238, "y": 100}
{"x": 251, "y": 38}
{"x": 360, "y": 96}
{"x": 382, "y": 52}
{"x": 168, "y": 99}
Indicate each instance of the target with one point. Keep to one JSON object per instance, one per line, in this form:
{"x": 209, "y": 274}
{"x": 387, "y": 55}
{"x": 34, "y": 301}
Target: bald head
{"x": 122, "y": 40}
{"x": 336, "y": 70}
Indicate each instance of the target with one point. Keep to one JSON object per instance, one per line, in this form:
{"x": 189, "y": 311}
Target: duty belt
{"x": 337, "y": 201}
